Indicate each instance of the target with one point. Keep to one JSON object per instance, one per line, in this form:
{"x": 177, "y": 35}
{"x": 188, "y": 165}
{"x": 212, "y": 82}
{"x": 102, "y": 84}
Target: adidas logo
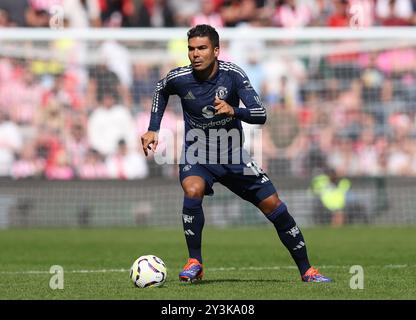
{"x": 189, "y": 232}
{"x": 189, "y": 96}
{"x": 299, "y": 246}
{"x": 264, "y": 179}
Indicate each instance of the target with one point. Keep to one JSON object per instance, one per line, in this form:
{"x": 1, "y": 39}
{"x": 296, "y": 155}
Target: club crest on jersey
{"x": 208, "y": 112}
{"x": 187, "y": 168}
{"x": 221, "y": 92}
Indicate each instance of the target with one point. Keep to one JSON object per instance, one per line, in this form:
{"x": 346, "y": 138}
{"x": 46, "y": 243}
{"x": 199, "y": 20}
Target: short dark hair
{"x": 205, "y": 30}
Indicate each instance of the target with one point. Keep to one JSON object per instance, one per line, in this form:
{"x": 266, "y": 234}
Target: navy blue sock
{"x": 193, "y": 222}
{"x": 290, "y": 236}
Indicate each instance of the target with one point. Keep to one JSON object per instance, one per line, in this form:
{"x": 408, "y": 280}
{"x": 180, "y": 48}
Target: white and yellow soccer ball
{"x": 148, "y": 271}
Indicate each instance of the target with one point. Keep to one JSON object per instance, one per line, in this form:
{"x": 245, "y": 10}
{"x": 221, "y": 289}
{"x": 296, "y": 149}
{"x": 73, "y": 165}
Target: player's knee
{"x": 194, "y": 187}
{"x": 269, "y": 204}
{"x": 194, "y": 191}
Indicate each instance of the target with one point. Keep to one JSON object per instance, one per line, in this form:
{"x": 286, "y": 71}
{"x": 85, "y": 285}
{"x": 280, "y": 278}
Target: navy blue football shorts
{"x": 246, "y": 180}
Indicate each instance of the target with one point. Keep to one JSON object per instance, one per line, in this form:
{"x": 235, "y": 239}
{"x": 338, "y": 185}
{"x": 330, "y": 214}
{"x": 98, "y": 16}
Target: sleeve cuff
{"x": 151, "y": 128}
{"x": 238, "y": 113}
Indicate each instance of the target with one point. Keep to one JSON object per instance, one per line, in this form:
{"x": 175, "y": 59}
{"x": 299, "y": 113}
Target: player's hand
{"x": 149, "y": 141}
{"x": 222, "y": 107}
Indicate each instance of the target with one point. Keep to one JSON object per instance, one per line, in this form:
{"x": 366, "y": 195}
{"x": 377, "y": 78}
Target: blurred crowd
{"x": 353, "y": 111}
{"x": 219, "y": 13}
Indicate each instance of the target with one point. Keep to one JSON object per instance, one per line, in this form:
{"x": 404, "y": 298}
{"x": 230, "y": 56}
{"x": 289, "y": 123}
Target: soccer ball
{"x": 148, "y": 271}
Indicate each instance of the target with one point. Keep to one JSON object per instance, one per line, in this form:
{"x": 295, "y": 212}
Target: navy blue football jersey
{"x": 202, "y": 125}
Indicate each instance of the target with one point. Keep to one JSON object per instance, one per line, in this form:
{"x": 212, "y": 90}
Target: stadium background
{"x": 338, "y": 79}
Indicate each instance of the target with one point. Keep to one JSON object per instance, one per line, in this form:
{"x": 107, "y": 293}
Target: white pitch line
{"x": 218, "y": 269}
{"x": 70, "y": 271}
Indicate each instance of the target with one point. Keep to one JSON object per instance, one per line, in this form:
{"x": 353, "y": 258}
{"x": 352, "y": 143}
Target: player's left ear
{"x": 216, "y": 52}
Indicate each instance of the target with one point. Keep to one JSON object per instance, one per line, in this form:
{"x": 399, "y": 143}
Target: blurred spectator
{"x": 413, "y": 160}
{"x": 117, "y": 60}
{"x": 349, "y": 119}
{"x": 353, "y": 124}
{"x": 283, "y": 77}
{"x": 108, "y": 124}
{"x": 40, "y": 11}
{"x": 47, "y": 143}
{"x": 117, "y": 13}
{"x": 292, "y": 14}
{"x": 332, "y": 191}
{"x": 264, "y": 12}
{"x": 372, "y": 79}
{"x": 23, "y": 106}
{"x": 368, "y": 154}
{"x": 234, "y": 12}
{"x": 312, "y": 156}
{"x": 4, "y": 19}
{"x": 351, "y": 13}
{"x": 76, "y": 143}
{"x": 321, "y": 11}
{"x": 184, "y": 10}
{"x": 396, "y": 60}
{"x": 154, "y": 13}
{"x": 103, "y": 81}
{"x": 28, "y": 164}
{"x": 16, "y": 12}
{"x": 208, "y": 15}
{"x": 65, "y": 91}
{"x": 126, "y": 164}
{"x": 343, "y": 158}
{"x": 289, "y": 98}
{"x": 52, "y": 118}
{"x": 283, "y": 126}
{"x": 82, "y": 13}
{"x": 382, "y": 144}
{"x": 93, "y": 166}
{"x": 59, "y": 167}
{"x": 324, "y": 130}
{"x": 401, "y": 126}
{"x": 413, "y": 19}
{"x": 10, "y": 143}
{"x": 399, "y": 158}
{"x": 340, "y": 16}
{"x": 253, "y": 67}
{"x": 394, "y": 12}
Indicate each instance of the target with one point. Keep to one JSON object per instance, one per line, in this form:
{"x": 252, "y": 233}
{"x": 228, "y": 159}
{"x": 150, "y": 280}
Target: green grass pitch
{"x": 240, "y": 263}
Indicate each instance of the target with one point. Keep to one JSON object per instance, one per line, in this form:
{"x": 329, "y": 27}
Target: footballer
{"x": 210, "y": 92}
